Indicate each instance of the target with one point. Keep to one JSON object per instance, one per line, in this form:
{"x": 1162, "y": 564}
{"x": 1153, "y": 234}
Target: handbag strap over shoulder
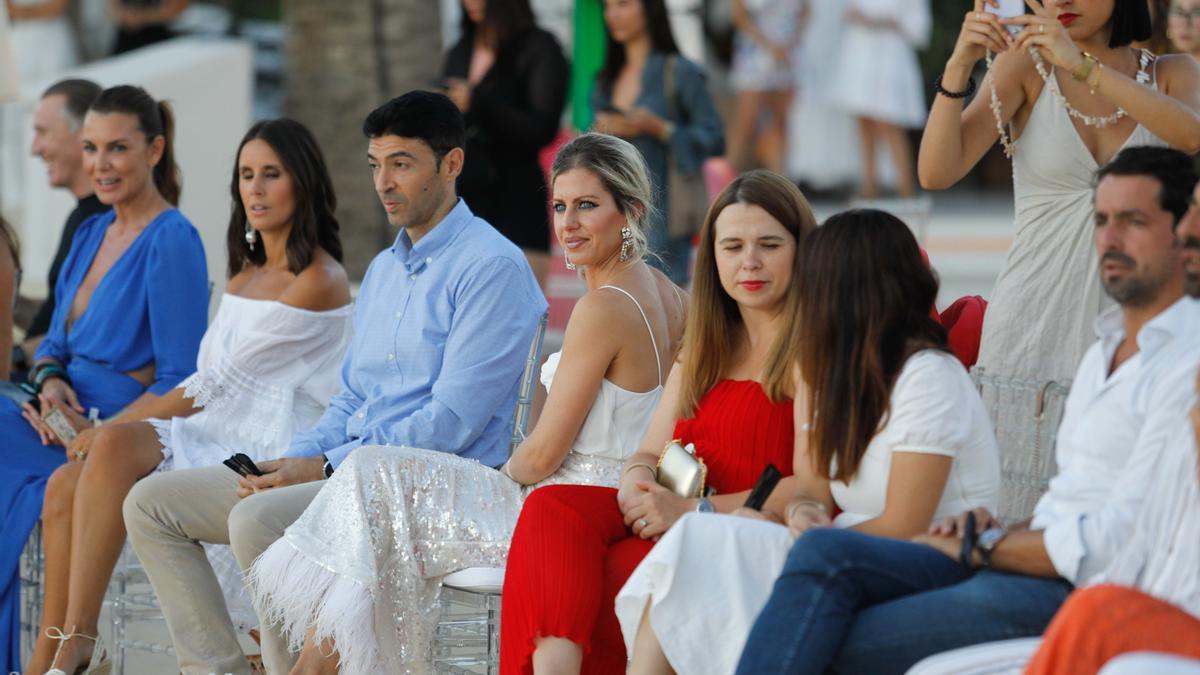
{"x": 670, "y": 91}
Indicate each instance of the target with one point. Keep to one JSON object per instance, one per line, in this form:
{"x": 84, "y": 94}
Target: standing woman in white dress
{"x": 356, "y": 579}
{"x": 267, "y": 367}
{"x": 1093, "y": 96}
{"x": 765, "y": 49}
{"x": 897, "y": 438}
{"x": 879, "y": 82}
{"x": 43, "y": 41}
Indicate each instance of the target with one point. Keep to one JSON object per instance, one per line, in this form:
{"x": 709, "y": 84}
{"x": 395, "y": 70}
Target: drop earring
{"x": 251, "y": 235}
{"x": 570, "y": 265}
{"x": 626, "y": 243}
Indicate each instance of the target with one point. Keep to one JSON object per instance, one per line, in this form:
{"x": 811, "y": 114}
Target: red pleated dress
{"x": 571, "y": 552}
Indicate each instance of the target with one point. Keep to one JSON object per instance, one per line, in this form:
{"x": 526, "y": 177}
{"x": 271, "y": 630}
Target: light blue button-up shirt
{"x": 441, "y": 332}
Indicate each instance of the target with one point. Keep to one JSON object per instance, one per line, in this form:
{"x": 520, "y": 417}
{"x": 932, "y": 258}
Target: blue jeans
{"x": 853, "y": 603}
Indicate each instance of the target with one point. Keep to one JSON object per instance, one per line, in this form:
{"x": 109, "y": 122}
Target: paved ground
{"x": 967, "y": 236}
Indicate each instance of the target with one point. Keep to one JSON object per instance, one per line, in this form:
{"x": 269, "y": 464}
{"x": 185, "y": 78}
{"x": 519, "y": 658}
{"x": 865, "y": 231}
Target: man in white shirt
{"x": 1149, "y": 597}
{"x": 853, "y": 603}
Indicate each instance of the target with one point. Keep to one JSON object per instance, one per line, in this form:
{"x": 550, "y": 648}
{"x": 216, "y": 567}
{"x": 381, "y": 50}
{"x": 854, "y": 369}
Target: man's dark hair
{"x": 426, "y": 115}
{"x": 1174, "y": 171}
{"x": 79, "y": 94}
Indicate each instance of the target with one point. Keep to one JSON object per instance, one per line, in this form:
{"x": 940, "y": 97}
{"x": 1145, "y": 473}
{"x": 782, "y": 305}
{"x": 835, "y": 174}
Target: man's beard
{"x": 1131, "y": 290}
{"x": 1191, "y": 280}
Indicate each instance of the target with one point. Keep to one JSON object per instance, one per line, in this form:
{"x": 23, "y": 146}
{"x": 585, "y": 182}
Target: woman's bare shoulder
{"x": 321, "y": 286}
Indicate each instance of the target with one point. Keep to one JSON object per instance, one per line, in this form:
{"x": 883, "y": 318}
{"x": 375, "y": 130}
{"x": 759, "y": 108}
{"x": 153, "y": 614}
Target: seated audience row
{"x": 267, "y": 367}
{"x": 808, "y": 349}
{"x": 897, "y": 437}
{"x": 729, "y": 395}
{"x": 851, "y": 602}
{"x": 366, "y": 598}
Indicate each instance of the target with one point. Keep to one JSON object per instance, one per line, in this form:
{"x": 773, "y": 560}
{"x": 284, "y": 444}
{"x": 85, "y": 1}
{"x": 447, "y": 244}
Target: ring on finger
{"x": 80, "y": 455}
{"x": 642, "y": 523}
{"x": 1042, "y": 28}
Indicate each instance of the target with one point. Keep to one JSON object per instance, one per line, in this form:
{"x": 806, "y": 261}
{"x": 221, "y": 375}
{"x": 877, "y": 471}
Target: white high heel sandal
{"x": 99, "y": 663}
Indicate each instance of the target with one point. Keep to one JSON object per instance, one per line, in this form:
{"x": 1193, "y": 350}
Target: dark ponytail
{"x": 154, "y": 119}
{"x": 166, "y": 172}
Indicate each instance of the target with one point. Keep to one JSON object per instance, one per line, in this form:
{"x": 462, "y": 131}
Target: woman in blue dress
{"x": 132, "y": 305}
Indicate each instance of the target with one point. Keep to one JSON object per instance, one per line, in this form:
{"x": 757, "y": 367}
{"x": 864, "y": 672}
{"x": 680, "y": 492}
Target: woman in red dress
{"x": 729, "y": 394}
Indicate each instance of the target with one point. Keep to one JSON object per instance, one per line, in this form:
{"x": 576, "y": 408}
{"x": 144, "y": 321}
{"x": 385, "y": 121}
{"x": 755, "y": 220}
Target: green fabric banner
{"x": 587, "y": 59}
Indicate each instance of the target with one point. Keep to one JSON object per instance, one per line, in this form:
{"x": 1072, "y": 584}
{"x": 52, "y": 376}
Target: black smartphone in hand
{"x": 243, "y": 465}
{"x": 767, "y": 481}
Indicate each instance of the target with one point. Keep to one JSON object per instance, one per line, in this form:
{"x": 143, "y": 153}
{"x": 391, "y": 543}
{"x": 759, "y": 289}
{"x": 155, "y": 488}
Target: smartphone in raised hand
{"x": 1007, "y": 10}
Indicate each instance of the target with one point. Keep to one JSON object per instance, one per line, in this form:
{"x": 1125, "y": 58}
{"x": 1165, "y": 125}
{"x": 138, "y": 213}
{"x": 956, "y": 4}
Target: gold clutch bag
{"x": 681, "y": 471}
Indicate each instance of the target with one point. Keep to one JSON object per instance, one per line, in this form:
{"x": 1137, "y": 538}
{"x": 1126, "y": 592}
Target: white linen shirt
{"x": 1161, "y": 559}
{"x": 1105, "y": 451}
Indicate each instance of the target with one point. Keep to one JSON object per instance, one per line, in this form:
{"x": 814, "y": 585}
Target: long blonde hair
{"x": 714, "y": 321}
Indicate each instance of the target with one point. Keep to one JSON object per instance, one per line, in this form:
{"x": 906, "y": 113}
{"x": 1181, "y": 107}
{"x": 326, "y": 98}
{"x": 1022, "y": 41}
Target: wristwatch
{"x": 705, "y": 506}
{"x": 987, "y": 543}
{"x": 328, "y": 467}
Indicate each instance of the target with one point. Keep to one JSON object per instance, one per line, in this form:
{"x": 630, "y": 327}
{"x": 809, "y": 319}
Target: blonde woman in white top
{"x": 267, "y": 366}
{"x": 355, "y": 580}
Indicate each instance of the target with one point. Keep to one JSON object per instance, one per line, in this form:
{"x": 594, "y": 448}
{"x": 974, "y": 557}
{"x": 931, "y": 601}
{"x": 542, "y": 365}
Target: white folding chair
{"x": 467, "y": 639}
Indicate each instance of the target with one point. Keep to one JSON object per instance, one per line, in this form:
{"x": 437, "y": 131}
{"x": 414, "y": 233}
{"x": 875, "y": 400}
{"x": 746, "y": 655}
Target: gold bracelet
{"x": 631, "y": 467}
{"x": 1099, "y": 73}
{"x": 1084, "y": 70}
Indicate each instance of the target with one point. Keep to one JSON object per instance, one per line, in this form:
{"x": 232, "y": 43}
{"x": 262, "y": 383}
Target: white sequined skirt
{"x": 363, "y": 564}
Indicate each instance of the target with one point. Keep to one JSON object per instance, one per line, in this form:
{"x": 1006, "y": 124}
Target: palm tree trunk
{"x": 342, "y": 59}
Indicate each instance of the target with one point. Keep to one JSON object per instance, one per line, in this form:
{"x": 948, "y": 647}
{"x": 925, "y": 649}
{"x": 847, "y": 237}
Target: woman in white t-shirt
{"x": 890, "y": 435}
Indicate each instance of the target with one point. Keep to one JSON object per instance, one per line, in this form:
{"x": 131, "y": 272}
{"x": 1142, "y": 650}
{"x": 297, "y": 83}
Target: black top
{"x": 85, "y": 208}
{"x": 515, "y": 111}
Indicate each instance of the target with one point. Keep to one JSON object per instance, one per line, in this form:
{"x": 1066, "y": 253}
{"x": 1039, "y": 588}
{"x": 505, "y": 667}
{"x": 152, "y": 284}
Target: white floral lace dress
{"x": 363, "y": 565}
{"x": 265, "y": 370}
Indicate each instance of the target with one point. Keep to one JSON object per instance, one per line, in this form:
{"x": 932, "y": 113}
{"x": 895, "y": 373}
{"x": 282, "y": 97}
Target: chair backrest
{"x": 1025, "y": 415}
{"x": 525, "y": 392}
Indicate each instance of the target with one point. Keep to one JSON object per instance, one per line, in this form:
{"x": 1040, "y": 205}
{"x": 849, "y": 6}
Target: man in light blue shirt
{"x": 442, "y": 324}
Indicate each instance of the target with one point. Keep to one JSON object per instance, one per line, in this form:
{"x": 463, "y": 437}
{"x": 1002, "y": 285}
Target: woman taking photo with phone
{"x": 268, "y": 366}
{"x": 1063, "y": 96}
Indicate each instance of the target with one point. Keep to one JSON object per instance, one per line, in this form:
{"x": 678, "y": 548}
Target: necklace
{"x": 1145, "y": 58}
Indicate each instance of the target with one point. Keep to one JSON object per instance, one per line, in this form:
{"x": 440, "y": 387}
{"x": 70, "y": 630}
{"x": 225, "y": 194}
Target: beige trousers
{"x": 168, "y": 515}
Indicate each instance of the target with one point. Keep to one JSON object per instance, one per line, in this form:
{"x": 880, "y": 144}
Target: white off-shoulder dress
{"x": 265, "y": 370}
{"x": 711, "y": 574}
{"x": 363, "y": 564}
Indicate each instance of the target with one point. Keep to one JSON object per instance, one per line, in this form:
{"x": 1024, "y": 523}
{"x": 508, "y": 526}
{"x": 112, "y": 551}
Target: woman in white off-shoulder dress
{"x": 356, "y": 580}
{"x": 267, "y": 367}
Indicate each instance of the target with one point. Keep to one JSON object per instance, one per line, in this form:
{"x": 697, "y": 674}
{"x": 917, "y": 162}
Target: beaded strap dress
{"x": 1040, "y": 319}
{"x": 265, "y": 371}
{"x": 363, "y": 564}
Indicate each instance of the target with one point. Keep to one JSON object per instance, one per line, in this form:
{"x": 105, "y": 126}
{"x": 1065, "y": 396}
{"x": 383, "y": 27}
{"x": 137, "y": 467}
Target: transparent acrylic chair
{"x": 467, "y": 639}
{"x": 30, "y": 573}
{"x": 1025, "y": 415}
